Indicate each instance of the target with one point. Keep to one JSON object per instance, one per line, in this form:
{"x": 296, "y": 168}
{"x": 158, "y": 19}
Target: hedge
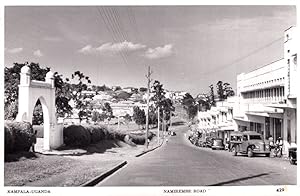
{"x": 22, "y": 134}
{"x": 9, "y": 139}
{"x": 97, "y": 133}
{"x": 76, "y": 136}
{"x": 140, "y": 138}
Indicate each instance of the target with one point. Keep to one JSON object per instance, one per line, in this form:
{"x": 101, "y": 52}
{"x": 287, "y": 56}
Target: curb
{"x": 145, "y": 152}
{"x": 104, "y": 175}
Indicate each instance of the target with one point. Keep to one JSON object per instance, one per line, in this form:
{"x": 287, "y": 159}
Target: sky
{"x": 187, "y": 47}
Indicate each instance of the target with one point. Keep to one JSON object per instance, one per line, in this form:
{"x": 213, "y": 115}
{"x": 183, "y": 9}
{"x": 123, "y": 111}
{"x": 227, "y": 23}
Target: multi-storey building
{"x": 218, "y": 121}
{"x": 266, "y": 97}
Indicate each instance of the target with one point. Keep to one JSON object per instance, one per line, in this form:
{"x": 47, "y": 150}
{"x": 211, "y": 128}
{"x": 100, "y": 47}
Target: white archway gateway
{"x": 29, "y": 92}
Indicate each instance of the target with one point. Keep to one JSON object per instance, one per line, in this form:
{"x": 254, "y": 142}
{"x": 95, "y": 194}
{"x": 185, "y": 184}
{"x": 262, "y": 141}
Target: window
{"x": 255, "y": 137}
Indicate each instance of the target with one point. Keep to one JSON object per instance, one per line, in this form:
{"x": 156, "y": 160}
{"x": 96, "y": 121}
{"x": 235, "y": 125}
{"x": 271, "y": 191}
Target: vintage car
{"x": 208, "y": 142}
{"x": 248, "y": 142}
{"x": 217, "y": 144}
{"x": 293, "y": 155}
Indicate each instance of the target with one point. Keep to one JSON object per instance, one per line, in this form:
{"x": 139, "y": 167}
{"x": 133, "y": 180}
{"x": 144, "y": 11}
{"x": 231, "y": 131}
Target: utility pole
{"x": 164, "y": 124}
{"x": 148, "y": 76}
{"x": 158, "y": 124}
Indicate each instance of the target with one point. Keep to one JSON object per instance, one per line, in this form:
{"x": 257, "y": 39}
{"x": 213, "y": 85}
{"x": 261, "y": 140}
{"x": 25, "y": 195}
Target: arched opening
{"x": 41, "y": 124}
{"x": 38, "y": 124}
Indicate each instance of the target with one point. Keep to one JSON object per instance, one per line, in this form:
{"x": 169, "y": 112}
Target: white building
{"x": 218, "y": 121}
{"x": 266, "y": 97}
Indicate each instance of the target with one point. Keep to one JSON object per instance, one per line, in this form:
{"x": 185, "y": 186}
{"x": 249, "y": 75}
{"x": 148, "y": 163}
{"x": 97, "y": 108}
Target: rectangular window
{"x": 258, "y": 128}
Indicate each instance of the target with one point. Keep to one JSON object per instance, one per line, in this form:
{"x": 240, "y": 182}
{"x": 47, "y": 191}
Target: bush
{"x": 97, "y": 133}
{"x": 128, "y": 140}
{"x": 9, "y": 139}
{"x": 82, "y": 136}
{"x": 23, "y": 135}
{"x": 140, "y": 139}
{"x": 76, "y": 136}
{"x": 116, "y": 135}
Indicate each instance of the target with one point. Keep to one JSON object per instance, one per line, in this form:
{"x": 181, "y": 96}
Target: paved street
{"x": 179, "y": 163}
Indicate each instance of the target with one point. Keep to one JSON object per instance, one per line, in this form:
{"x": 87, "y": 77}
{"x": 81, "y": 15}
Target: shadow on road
{"x": 239, "y": 179}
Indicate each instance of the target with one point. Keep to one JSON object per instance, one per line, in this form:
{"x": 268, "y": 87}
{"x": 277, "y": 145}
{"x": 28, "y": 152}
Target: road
{"x": 179, "y": 163}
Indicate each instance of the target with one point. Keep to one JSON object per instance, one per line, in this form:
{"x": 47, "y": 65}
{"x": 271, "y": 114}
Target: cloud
{"x": 159, "y": 52}
{"x": 112, "y": 47}
{"x": 38, "y": 53}
{"x": 87, "y": 49}
{"x": 14, "y": 50}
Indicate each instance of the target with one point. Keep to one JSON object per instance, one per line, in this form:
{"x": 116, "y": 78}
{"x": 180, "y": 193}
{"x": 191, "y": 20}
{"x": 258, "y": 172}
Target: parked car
{"x": 250, "y": 143}
{"x": 217, "y": 144}
{"x": 293, "y": 155}
{"x": 208, "y": 142}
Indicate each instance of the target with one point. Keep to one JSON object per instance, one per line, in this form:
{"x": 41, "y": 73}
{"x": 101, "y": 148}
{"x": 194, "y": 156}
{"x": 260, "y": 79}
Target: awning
{"x": 226, "y": 128}
{"x": 267, "y": 114}
{"x": 240, "y": 118}
{"x": 282, "y": 106}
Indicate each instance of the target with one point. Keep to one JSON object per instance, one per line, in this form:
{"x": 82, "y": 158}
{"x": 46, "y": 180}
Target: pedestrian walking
{"x": 33, "y": 141}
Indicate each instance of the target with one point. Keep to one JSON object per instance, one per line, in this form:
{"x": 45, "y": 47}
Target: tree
{"x": 220, "y": 90}
{"x": 63, "y": 95}
{"x": 152, "y": 116}
{"x": 168, "y": 108}
{"x": 212, "y": 101}
{"x": 139, "y": 116}
{"x": 190, "y": 105}
{"x": 224, "y": 90}
{"x": 158, "y": 97}
{"x": 117, "y": 88}
{"x": 12, "y": 80}
{"x": 228, "y": 90}
{"x": 81, "y": 99}
{"x": 203, "y": 103}
{"x": 107, "y": 110}
{"x": 37, "y": 118}
{"x": 159, "y": 93}
{"x": 143, "y": 90}
{"x": 96, "y": 116}
{"x": 127, "y": 119}
{"x": 103, "y": 88}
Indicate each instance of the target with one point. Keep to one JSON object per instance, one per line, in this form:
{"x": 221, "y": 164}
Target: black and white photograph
{"x": 186, "y": 99}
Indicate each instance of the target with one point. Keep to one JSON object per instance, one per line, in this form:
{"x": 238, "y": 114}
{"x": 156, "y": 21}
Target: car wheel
{"x": 292, "y": 162}
{"x": 250, "y": 152}
{"x": 234, "y": 151}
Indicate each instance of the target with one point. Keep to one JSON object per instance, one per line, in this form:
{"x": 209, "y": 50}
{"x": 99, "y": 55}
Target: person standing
{"x": 271, "y": 141}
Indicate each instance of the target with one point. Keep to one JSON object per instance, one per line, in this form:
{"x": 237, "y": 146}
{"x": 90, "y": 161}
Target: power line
{"x": 116, "y": 26}
{"x": 111, "y": 30}
{"x": 241, "y": 58}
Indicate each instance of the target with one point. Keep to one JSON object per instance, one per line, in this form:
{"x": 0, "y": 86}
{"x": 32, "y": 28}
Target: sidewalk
{"x": 91, "y": 167}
